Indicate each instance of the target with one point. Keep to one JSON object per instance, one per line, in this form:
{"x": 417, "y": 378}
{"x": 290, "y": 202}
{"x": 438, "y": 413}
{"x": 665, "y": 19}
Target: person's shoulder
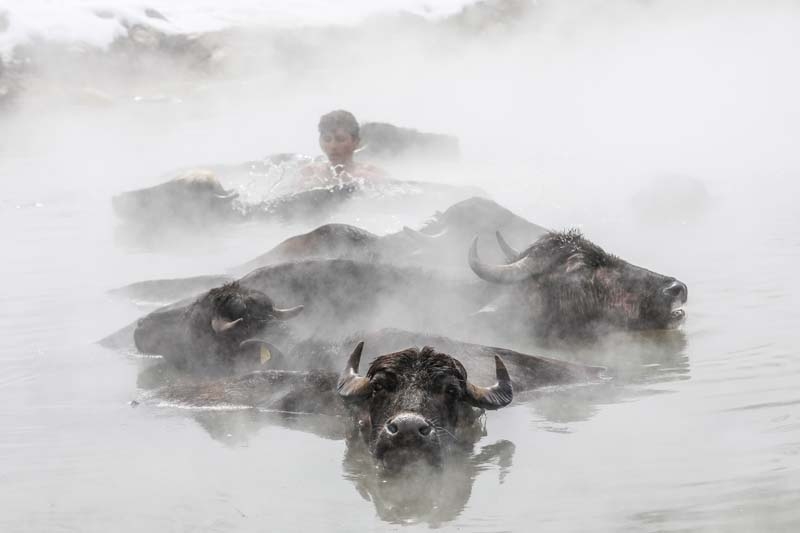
{"x": 310, "y": 169}
{"x": 371, "y": 171}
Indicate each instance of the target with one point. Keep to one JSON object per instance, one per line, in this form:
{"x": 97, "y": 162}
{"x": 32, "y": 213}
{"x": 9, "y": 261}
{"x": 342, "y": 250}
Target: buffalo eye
{"x": 383, "y": 384}
{"x": 452, "y": 391}
{"x": 236, "y": 309}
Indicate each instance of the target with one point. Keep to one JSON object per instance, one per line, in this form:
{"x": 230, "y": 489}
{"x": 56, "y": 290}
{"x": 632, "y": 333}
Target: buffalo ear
{"x": 266, "y": 351}
{"x": 498, "y": 395}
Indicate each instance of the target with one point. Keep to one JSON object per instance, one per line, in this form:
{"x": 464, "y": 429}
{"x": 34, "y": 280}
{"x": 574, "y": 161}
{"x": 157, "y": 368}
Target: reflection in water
{"x": 633, "y": 357}
{"x": 420, "y": 494}
{"x": 634, "y": 360}
{"x": 424, "y": 494}
{"x": 237, "y": 427}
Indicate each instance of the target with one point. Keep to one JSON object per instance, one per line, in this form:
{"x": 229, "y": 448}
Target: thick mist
{"x": 562, "y": 109}
{"x": 666, "y": 131}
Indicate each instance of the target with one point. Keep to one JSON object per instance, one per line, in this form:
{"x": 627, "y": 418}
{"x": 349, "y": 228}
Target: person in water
{"x": 339, "y": 138}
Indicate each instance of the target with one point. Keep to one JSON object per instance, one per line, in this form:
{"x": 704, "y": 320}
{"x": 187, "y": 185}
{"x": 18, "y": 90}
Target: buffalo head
{"x": 569, "y": 286}
{"x": 220, "y": 328}
{"x": 412, "y": 404}
{"x": 194, "y": 197}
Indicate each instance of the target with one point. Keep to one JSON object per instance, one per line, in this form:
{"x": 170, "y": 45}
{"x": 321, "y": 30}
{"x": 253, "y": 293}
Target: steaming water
{"x": 569, "y": 119}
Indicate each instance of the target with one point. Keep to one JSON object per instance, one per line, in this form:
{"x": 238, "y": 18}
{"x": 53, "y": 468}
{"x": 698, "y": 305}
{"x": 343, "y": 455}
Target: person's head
{"x": 338, "y": 136}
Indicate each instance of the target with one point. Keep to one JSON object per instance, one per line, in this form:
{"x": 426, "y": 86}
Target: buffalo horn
{"x": 351, "y": 385}
{"x": 423, "y": 237}
{"x": 515, "y": 272}
{"x": 510, "y": 253}
{"x": 498, "y": 395}
{"x": 285, "y": 314}
{"x": 228, "y": 195}
{"x": 220, "y": 325}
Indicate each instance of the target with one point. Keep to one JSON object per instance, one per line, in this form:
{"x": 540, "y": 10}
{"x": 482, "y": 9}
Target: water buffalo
{"x": 222, "y": 329}
{"x": 195, "y": 197}
{"x": 413, "y": 404}
{"x": 380, "y": 140}
{"x": 565, "y": 286}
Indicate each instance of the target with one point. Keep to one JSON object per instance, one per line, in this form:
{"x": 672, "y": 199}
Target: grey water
{"x": 669, "y": 138}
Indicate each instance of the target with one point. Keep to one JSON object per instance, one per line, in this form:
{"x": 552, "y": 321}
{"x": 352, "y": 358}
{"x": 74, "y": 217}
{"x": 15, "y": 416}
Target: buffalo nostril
{"x": 408, "y": 425}
{"x": 676, "y": 290}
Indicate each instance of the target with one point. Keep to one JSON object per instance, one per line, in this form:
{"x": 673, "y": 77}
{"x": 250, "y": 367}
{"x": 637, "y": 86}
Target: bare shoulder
{"x": 310, "y": 170}
{"x": 369, "y": 170}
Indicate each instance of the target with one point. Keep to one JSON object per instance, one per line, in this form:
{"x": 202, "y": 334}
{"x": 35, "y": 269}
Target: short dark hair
{"x": 330, "y": 122}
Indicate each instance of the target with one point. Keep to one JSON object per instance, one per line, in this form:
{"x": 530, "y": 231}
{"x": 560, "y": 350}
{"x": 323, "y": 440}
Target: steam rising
{"x": 666, "y": 130}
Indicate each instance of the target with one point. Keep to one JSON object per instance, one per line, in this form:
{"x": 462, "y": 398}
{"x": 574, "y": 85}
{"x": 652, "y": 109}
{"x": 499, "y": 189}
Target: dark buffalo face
{"x": 413, "y": 404}
{"x": 570, "y": 286}
{"x": 226, "y": 323}
{"x": 192, "y": 198}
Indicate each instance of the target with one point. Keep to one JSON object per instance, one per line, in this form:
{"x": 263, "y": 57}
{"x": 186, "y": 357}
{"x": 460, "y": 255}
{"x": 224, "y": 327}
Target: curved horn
{"x": 513, "y": 273}
{"x": 423, "y": 237}
{"x": 286, "y": 314}
{"x": 510, "y": 253}
{"x": 229, "y": 195}
{"x": 498, "y": 395}
{"x": 220, "y": 325}
{"x": 351, "y": 385}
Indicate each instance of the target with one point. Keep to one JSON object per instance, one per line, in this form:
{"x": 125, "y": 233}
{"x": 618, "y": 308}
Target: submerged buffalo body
{"x": 222, "y": 329}
{"x": 438, "y": 245}
{"x": 338, "y": 297}
{"x": 380, "y": 140}
{"x": 342, "y": 296}
{"x": 195, "y": 197}
{"x": 329, "y": 241}
{"x": 564, "y": 286}
{"x": 439, "y": 242}
{"x": 199, "y": 199}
